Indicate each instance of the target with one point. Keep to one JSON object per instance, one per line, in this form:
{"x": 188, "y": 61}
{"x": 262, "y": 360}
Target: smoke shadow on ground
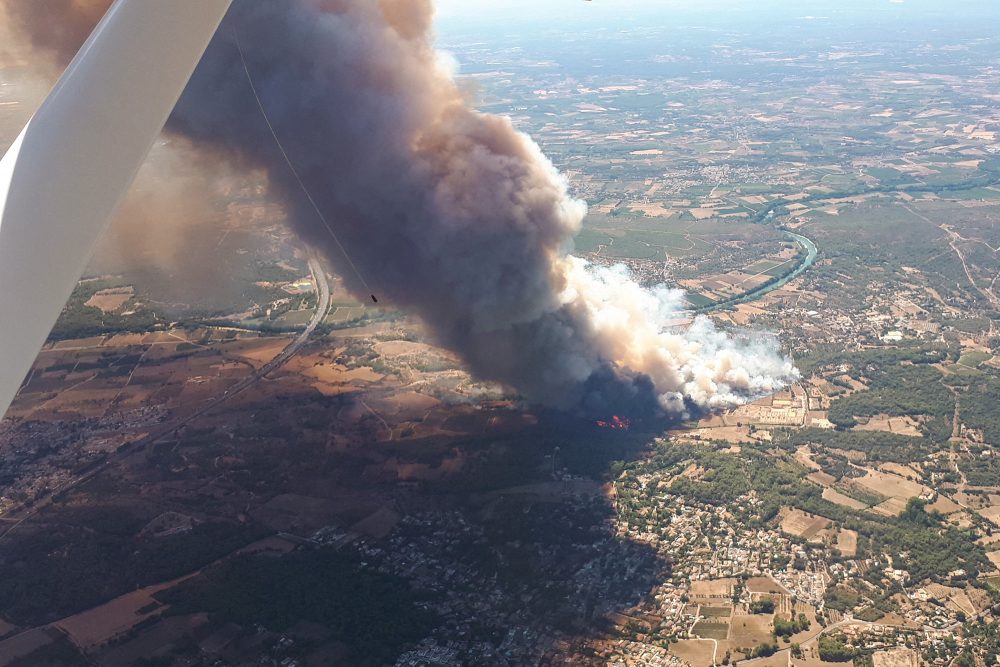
{"x": 517, "y": 541}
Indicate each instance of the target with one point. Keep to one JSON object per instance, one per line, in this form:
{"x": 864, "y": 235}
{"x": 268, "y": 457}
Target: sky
{"x": 495, "y": 14}
{"x": 791, "y": 7}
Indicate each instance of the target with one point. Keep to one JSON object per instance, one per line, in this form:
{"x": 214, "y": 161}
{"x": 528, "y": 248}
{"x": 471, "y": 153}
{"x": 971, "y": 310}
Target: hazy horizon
{"x": 455, "y": 15}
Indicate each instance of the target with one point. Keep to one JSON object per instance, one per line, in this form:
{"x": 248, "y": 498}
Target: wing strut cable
{"x": 295, "y": 173}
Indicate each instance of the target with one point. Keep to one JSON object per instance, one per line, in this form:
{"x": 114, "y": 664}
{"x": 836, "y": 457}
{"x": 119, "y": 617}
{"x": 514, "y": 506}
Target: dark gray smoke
{"x": 447, "y": 212}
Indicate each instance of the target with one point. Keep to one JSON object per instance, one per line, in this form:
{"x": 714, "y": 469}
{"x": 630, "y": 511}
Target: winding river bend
{"x": 753, "y": 295}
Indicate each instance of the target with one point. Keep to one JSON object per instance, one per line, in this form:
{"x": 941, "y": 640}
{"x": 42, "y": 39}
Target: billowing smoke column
{"x": 447, "y": 212}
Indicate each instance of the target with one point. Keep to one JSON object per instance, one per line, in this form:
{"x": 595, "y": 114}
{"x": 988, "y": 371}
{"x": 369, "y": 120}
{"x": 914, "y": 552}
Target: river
{"x": 753, "y": 295}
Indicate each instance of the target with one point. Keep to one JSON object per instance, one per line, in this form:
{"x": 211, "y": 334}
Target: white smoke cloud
{"x": 636, "y": 328}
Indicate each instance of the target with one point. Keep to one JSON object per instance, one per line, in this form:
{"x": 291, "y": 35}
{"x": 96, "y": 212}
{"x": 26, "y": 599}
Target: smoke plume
{"x": 448, "y": 213}
{"x": 58, "y": 27}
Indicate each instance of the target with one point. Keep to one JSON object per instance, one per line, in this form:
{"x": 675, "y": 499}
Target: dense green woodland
{"x": 835, "y": 650}
{"x": 78, "y": 320}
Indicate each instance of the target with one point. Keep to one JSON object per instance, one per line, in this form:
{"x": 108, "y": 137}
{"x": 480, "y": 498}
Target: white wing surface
{"x": 62, "y": 179}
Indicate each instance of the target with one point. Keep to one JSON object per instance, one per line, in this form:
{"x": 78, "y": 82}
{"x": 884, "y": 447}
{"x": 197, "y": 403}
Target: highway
{"x": 322, "y": 306}
{"x": 22, "y": 514}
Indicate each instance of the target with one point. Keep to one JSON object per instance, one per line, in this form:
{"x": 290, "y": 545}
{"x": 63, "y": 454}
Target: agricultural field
{"x": 698, "y": 653}
{"x": 896, "y": 658}
{"x": 847, "y": 543}
{"x": 711, "y": 630}
{"x": 801, "y": 524}
{"x": 715, "y": 612}
{"x": 765, "y": 586}
{"x": 839, "y": 498}
{"x": 890, "y": 485}
{"x": 974, "y": 359}
{"x": 708, "y": 590}
{"x": 750, "y": 631}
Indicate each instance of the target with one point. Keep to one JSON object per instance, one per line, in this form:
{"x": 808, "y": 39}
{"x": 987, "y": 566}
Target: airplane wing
{"x": 63, "y": 177}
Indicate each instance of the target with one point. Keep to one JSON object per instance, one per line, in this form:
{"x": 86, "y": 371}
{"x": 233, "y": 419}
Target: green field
{"x": 343, "y": 314}
{"x": 973, "y": 194}
{"x": 295, "y": 318}
{"x": 781, "y": 269}
{"x": 754, "y": 188}
{"x": 963, "y": 372}
{"x": 974, "y": 359}
{"x": 885, "y": 174}
{"x": 647, "y": 244}
{"x": 697, "y": 300}
{"x": 971, "y": 325}
{"x": 717, "y": 612}
{"x": 763, "y": 266}
{"x": 589, "y": 240}
{"x": 711, "y": 630}
{"x": 837, "y": 180}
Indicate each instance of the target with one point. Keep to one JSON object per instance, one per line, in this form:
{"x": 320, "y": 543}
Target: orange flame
{"x": 615, "y": 423}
